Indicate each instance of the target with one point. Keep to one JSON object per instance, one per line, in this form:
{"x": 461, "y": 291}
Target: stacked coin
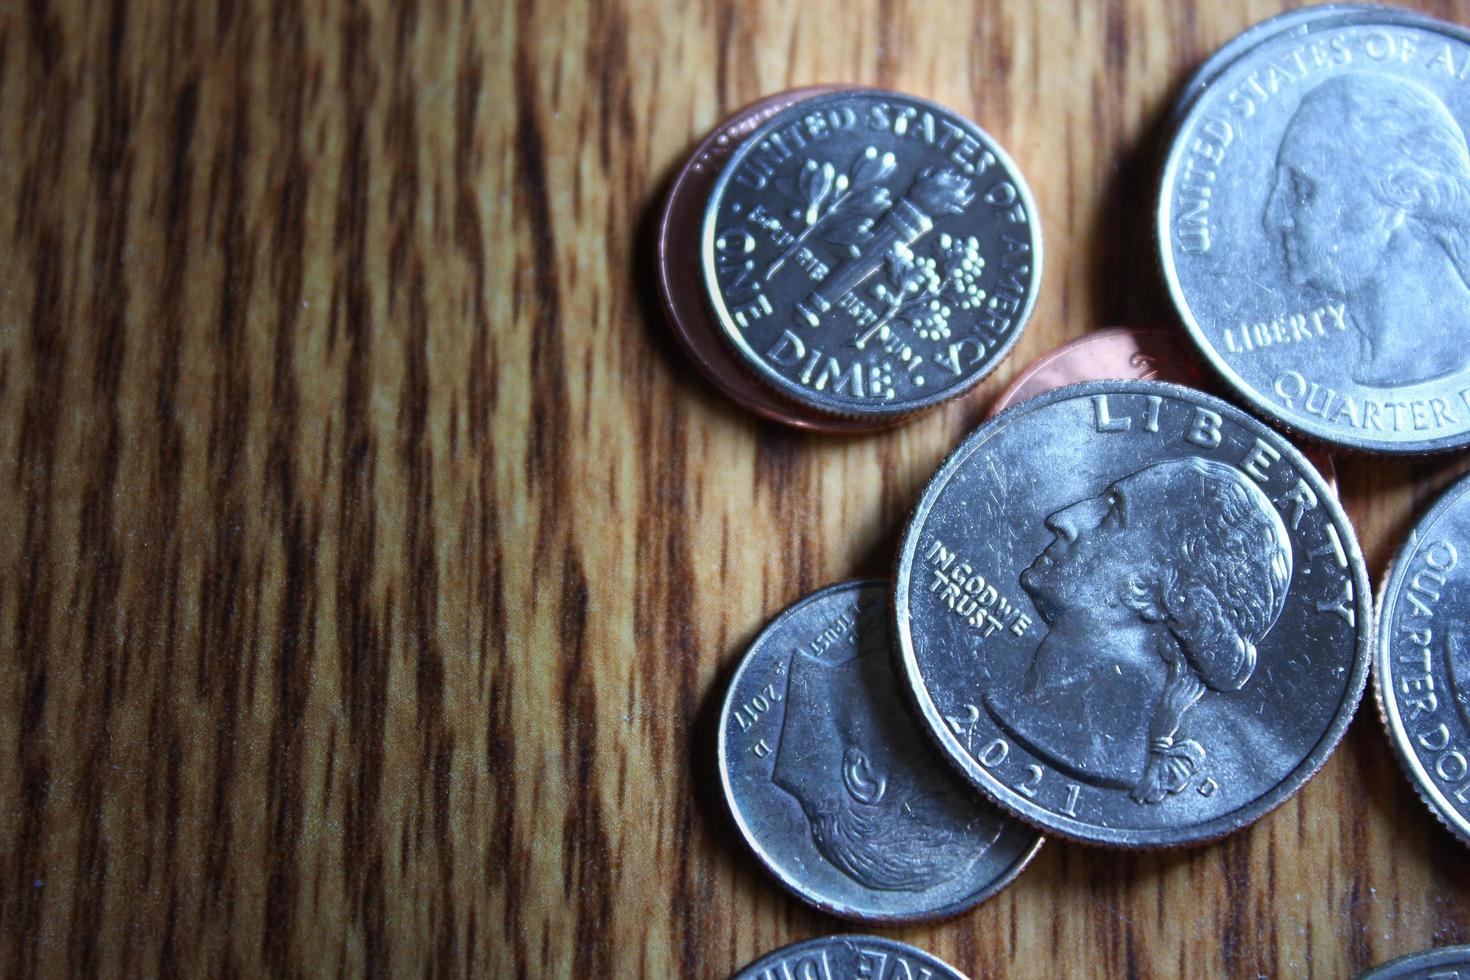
{"x": 1125, "y": 611}
{"x": 1314, "y": 226}
{"x": 1314, "y": 234}
{"x": 858, "y": 257}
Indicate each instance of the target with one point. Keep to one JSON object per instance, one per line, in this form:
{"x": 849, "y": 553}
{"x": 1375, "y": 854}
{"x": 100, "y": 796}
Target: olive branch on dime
{"x": 825, "y": 196}
{"x": 919, "y": 288}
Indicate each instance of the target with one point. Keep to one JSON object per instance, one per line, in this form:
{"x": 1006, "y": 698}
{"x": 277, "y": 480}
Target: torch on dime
{"x": 869, "y": 254}
{"x": 682, "y": 290}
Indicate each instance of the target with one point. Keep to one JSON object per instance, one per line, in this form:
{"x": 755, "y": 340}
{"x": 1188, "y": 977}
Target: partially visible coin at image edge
{"x": 1314, "y": 231}
{"x": 1444, "y": 963}
{"x": 848, "y": 956}
{"x": 1422, "y": 665}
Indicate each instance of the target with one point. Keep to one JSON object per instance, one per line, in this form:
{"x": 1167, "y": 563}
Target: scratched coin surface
{"x": 1149, "y": 354}
{"x": 1444, "y": 963}
{"x": 679, "y": 280}
{"x": 833, "y": 783}
{"x": 849, "y": 957}
{"x": 1132, "y": 614}
{"x": 1314, "y": 231}
{"x": 1290, "y": 23}
{"x": 1422, "y": 665}
{"x": 870, "y": 254}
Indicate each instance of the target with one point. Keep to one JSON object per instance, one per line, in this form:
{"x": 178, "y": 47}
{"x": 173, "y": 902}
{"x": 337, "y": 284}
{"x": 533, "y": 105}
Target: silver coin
{"x": 1314, "y": 231}
{"x": 1444, "y": 963}
{"x": 1293, "y": 22}
{"x": 1132, "y": 614}
{"x": 835, "y": 787}
{"x": 1422, "y": 664}
{"x": 871, "y": 254}
{"x": 849, "y": 958}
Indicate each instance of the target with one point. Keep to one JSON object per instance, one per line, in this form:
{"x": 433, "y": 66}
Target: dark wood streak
{"x": 371, "y": 559}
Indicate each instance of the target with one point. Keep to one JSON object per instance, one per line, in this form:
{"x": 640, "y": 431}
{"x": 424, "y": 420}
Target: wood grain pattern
{"x": 371, "y": 560}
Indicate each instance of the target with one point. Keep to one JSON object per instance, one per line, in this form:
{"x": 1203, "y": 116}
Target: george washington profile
{"x": 881, "y": 806}
{"x": 1370, "y": 202}
{"x": 1154, "y": 592}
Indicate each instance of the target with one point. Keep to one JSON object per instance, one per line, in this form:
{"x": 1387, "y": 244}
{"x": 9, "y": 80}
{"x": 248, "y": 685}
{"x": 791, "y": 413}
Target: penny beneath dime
{"x": 848, "y": 957}
{"x": 833, "y": 783}
{"x": 1444, "y": 963}
{"x": 1132, "y": 614}
{"x": 1148, "y": 354}
{"x": 682, "y": 289}
{"x": 1422, "y": 665}
{"x": 1314, "y": 231}
{"x": 869, "y": 254}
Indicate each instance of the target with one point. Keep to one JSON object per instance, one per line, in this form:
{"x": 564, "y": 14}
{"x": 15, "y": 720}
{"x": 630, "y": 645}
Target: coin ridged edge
{"x": 837, "y": 909}
{"x": 1302, "y": 774}
{"x": 918, "y": 406}
{"x": 854, "y": 937}
{"x": 1387, "y": 709}
{"x": 1256, "y": 403}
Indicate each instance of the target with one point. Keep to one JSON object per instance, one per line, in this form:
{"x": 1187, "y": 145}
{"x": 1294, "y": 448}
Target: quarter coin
{"x": 1312, "y": 225}
{"x": 844, "y": 957}
{"x": 869, "y": 254}
{"x": 1125, "y": 352}
{"x": 1444, "y": 963}
{"x": 1422, "y": 665}
{"x": 1292, "y": 22}
{"x": 1132, "y": 614}
{"x": 834, "y": 785}
{"x": 681, "y": 288}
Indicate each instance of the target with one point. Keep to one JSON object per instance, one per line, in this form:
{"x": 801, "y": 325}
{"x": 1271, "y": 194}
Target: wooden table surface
{"x": 371, "y": 559}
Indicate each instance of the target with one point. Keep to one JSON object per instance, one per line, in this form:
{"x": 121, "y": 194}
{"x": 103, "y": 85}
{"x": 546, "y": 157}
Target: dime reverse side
{"x": 871, "y": 254}
{"x": 1314, "y": 231}
{"x": 835, "y": 787}
{"x": 1422, "y": 665}
{"x": 848, "y": 958}
{"x": 1132, "y": 614}
{"x": 682, "y": 290}
{"x": 1444, "y": 963}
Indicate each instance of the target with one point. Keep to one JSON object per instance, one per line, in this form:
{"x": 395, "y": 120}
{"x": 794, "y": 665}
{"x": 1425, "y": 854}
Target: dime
{"x": 1125, "y": 352}
{"x": 1444, "y": 963}
{"x": 1132, "y": 614}
{"x": 1313, "y": 220}
{"x": 683, "y": 292}
{"x": 870, "y": 254}
{"x": 1422, "y": 664}
{"x": 847, "y": 958}
{"x": 834, "y": 785}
